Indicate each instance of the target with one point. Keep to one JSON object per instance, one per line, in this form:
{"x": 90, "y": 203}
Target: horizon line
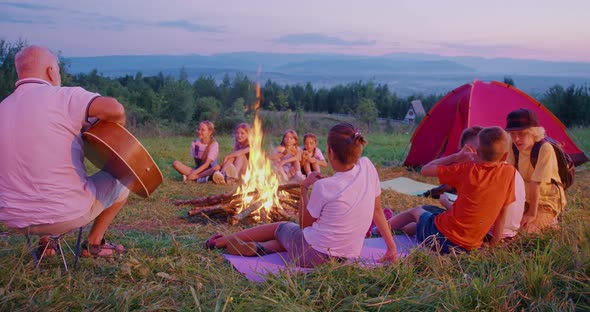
{"x": 338, "y": 54}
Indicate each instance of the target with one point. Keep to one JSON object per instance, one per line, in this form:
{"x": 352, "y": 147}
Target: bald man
{"x": 44, "y": 187}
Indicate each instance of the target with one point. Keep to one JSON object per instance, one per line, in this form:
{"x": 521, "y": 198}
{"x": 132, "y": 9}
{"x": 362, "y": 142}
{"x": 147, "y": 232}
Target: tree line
{"x": 169, "y": 100}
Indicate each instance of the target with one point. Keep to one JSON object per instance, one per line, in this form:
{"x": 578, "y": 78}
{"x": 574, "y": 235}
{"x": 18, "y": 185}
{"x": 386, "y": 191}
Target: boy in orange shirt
{"x": 484, "y": 190}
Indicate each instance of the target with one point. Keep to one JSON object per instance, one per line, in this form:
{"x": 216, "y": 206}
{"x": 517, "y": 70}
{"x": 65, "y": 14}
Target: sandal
{"x": 104, "y": 250}
{"x": 46, "y": 247}
{"x": 210, "y": 242}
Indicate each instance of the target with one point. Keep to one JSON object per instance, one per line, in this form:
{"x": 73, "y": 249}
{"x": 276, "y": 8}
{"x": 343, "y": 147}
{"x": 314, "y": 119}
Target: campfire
{"x": 260, "y": 197}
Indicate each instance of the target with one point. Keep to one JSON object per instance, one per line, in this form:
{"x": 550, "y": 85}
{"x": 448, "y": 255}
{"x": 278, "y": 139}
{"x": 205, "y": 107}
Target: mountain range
{"x": 405, "y": 73}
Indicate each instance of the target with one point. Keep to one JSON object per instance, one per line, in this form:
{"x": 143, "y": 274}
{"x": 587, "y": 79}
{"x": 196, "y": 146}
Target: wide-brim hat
{"x": 521, "y": 119}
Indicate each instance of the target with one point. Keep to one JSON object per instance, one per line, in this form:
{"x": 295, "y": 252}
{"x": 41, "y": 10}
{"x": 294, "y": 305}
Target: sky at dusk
{"x": 526, "y": 29}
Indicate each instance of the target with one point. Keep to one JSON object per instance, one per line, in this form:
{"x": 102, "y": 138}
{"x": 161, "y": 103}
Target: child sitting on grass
{"x": 514, "y": 211}
{"x": 545, "y": 196}
{"x": 205, "y": 151}
{"x": 333, "y": 221}
{"x": 485, "y": 188}
{"x": 235, "y": 164}
{"x": 312, "y": 158}
{"x": 287, "y": 157}
{"x": 470, "y": 138}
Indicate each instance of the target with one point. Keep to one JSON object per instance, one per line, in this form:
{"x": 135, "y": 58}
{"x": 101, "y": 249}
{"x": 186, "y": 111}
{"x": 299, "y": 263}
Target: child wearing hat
{"x": 544, "y": 200}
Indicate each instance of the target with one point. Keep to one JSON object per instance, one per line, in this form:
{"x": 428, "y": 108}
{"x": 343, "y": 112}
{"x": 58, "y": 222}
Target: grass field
{"x": 166, "y": 268}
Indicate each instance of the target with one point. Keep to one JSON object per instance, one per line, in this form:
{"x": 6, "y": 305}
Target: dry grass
{"x": 166, "y": 268}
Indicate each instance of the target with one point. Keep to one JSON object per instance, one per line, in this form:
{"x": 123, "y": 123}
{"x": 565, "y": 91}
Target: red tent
{"x": 479, "y": 104}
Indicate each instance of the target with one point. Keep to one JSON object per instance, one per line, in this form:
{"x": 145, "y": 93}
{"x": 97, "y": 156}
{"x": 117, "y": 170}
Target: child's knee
{"x": 416, "y": 212}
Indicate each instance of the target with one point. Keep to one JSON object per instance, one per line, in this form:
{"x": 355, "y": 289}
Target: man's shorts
{"x": 109, "y": 191}
{"x": 290, "y": 235}
{"x": 427, "y": 232}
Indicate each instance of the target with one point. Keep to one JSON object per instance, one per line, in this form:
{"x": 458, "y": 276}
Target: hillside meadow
{"x": 165, "y": 267}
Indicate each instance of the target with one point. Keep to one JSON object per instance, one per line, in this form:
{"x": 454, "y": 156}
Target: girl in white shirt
{"x": 205, "y": 151}
{"x": 287, "y": 157}
{"x": 311, "y": 156}
{"x": 235, "y": 163}
{"x": 333, "y": 221}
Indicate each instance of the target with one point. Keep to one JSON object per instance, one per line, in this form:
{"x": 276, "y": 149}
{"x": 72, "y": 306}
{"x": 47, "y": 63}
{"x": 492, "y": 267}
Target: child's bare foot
{"x": 218, "y": 178}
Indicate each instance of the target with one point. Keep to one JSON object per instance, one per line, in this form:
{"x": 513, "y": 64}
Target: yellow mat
{"x": 406, "y": 186}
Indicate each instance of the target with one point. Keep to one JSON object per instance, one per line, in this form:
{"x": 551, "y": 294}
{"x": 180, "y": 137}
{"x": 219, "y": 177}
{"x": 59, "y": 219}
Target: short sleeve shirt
{"x": 483, "y": 189}
{"x": 515, "y": 210}
{"x": 546, "y": 169}
{"x": 343, "y": 206}
{"x": 317, "y": 153}
{"x": 198, "y": 146}
{"x": 43, "y": 178}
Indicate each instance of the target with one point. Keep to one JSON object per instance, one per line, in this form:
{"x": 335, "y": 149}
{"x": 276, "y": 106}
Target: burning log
{"x": 282, "y": 215}
{"x": 293, "y": 208}
{"x": 292, "y": 188}
{"x": 289, "y": 187}
{"x": 260, "y": 185}
{"x": 205, "y": 210}
{"x": 228, "y": 208}
{"x": 293, "y": 192}
{"x": 290, "y": 201}
{"x": 229, "y": 203}
{"x": 235, "y": 219}
{"x": 209, "y": 200}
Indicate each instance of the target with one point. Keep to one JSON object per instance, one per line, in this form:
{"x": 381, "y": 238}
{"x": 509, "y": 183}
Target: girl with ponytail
{"x": 334, "y": 212}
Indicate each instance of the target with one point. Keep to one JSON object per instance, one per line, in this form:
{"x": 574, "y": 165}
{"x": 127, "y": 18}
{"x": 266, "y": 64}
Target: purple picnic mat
{"x": 256, "y": 268}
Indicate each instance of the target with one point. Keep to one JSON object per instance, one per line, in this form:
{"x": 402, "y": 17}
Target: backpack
{"x": 565, "y": 164}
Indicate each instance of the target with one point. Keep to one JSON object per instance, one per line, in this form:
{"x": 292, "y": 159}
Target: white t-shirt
{"x": 343, "y": 205}
{"x": 515, "y": 210}
{"x": 42, "y": 175}
{"x": 213, "y": 150}
{"x": 317, "y": 153}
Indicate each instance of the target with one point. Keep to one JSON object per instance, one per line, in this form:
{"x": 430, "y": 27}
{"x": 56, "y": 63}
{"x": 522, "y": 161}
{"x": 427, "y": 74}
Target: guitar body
{"x": 114, "y": 149}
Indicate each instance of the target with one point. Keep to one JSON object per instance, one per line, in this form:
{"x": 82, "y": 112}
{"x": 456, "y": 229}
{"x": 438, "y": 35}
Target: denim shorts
{"x": 427, "y": 232}
{"x": 290, "y": 235}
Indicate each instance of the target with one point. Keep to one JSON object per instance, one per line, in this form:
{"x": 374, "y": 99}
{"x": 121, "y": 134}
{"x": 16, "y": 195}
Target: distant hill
{"x": 405, "y": 73}
{"x": 373, "y": 66}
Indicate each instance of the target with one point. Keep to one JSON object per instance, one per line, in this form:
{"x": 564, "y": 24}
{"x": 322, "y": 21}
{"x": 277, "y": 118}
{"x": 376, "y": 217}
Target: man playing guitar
{"x": 44, "y": 187}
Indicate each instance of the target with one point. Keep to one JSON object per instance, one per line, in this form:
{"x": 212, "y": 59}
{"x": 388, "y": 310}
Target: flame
{"x": 259, "y": 176}
{"x": 257, "y": 104}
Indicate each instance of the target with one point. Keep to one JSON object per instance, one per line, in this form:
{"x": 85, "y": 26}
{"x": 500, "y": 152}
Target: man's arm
{"x": 108, "y": 109}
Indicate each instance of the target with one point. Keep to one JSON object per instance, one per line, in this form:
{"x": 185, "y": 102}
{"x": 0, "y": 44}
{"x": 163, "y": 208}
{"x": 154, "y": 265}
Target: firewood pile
{"x": 231, "y": 205}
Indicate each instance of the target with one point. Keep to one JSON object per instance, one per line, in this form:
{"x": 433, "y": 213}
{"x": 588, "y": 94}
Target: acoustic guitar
{"x": 114, "y": 149}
